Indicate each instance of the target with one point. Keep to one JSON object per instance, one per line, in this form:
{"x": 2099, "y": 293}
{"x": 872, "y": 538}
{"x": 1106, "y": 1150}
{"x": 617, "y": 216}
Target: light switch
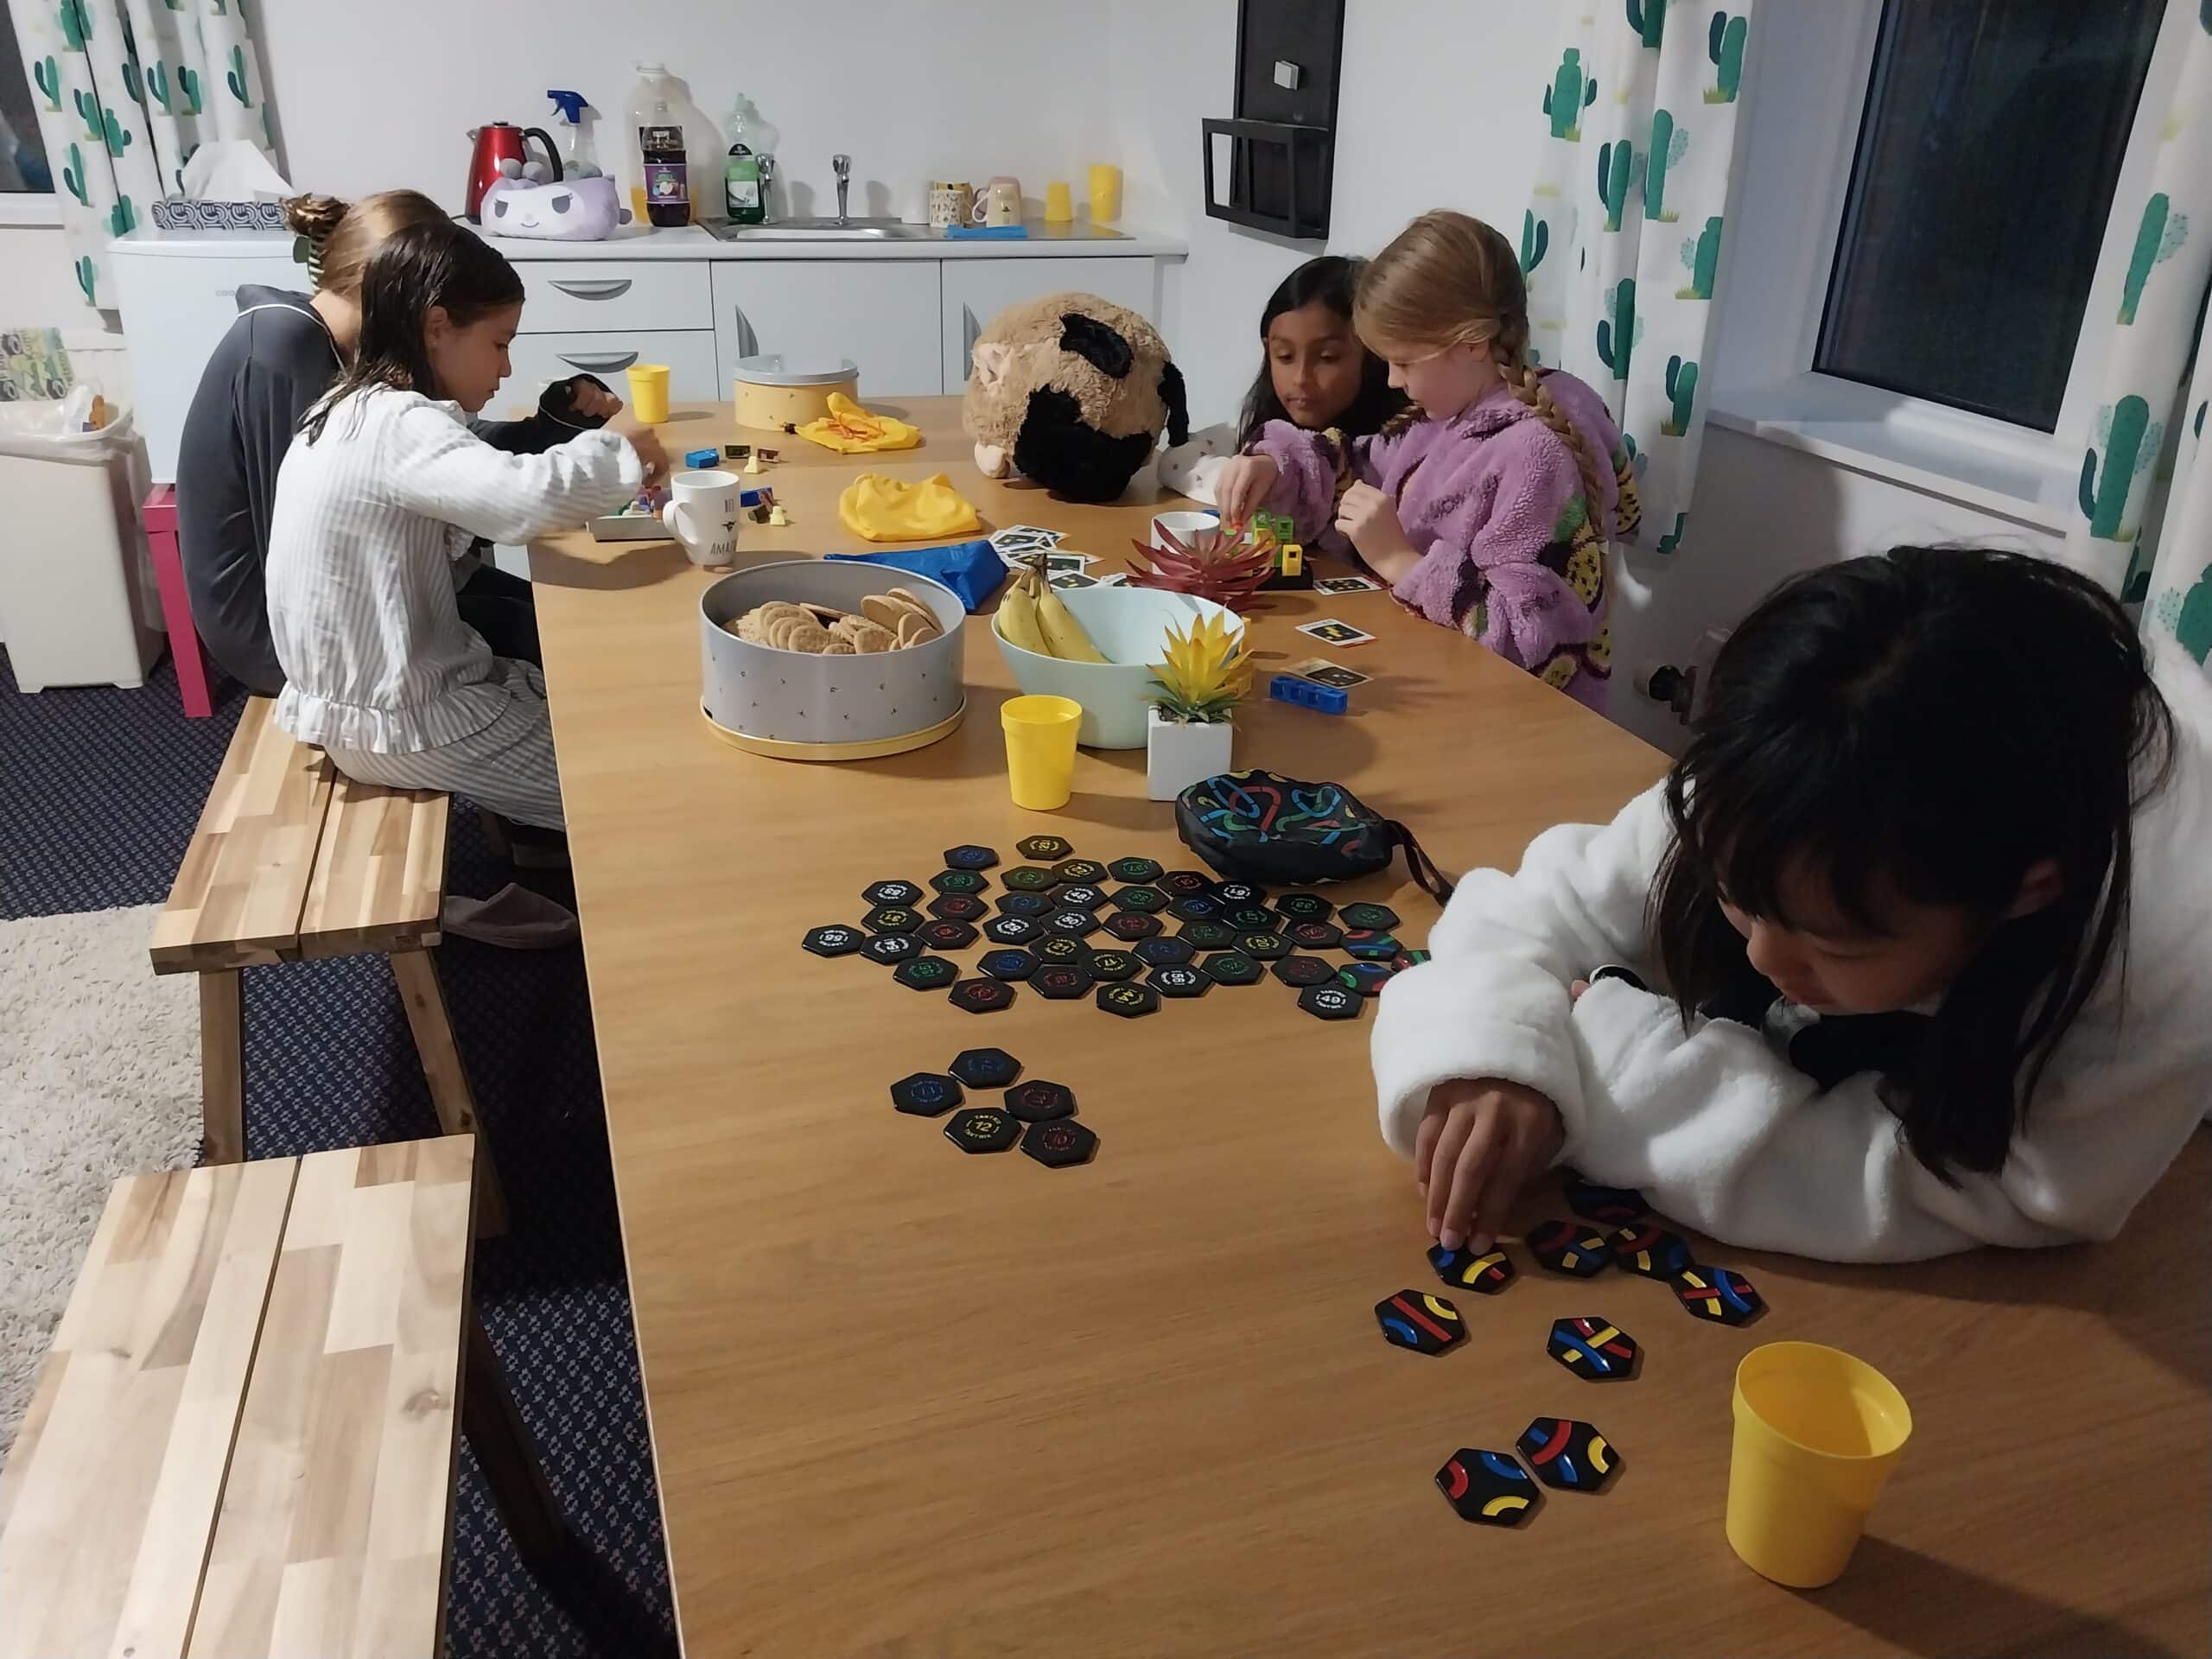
{"x": 1288, "y": 74}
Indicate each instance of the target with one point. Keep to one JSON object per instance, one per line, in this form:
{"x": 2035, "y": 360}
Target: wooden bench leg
{"x": 426, "y": 1012}
{"x": 503, "y": 1452}
{"x": 222, "y": 1067}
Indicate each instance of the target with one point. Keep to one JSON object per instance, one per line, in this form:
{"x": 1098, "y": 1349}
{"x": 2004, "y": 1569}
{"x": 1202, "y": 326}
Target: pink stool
{"x": 159, "y": 516}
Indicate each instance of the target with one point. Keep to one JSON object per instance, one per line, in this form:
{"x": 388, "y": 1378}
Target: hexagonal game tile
{"x": 1594, "y": 1348}
{"x": 1175, "y": 980}
{"x": 1406, "y": 959}
{"x": 1182, "y": 884}
{"x": 1207, "y": 935}
{"x": 1250, "y": 918}
{"x": 1078, "y": 872}
{"x": 1060, "y": 982}
{"x": 1196, "y": 908}
{"x": 1061, "y": 950}
{"x": 982, "y": 995}
{"x": 893, "y": 919}
{"x": 1228, "y": 968}
{"x": 1314, "y": 936}
{"x": 1720, "y": 1294}
{"x": 1029, "y": 878}
{"x": 1488, "y": 1488}
{"x": 1071, "y": 924}
{"x": 1427, "y": 1324}
{"x": 1240, "y": 892}
{"x": 1113, "y": 965}
{"x": 1012, "y": 930}
{"x": 1568, "y": 1454}
{"x": 1651, "y": 1250}
{"x": 1329, "y": 1002}
{"x": 959, "y": 882}
{"x": 947, "y": 935}
{"x": 1368, "y": 978}
{"x": 1007, "y": 964}
{"x": 890, "y": 948}
{"x": 958, "y": 907}
{"x": 1144, "y": 899}
{"x": 833, "y": 940}
{"x": 1379, "y": 917}
{"x": 891, "y": 893}
{"x": 1081, "y": 896}
{"x": 1162, "y": 953}
{"x": 985, "y": 1068}
{"x": 1130, "y": 1002}
{"x": 926, "y": 1094}
{"x": 926, "y": 973}
{"x": 982, "y": 1128}
{"x": 1023, "y": 904}
{"x": 1035, "y": 1101}
{"x": 1367, "y": 945}
{"x": 1574, "y": 1247}
{"x": 1133, "y": 869}
{"x": 1486, "y": 1274}
{"x": 1615, "y": 1205}
{"x": 1301, "y": 971}
{"x": 1045, "y": 848}
{"x": 1304, "y": 907}
{"x": 970, "y": 857}
{"x": 1264, "y": 947}
{"x": 1130, "y": 926}
{"x": 1058, "y": 1144}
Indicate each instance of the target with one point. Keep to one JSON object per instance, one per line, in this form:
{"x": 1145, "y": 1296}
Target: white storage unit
{"x": 976, "y": 291}
{"x": 880, "y": 313}
{"x": 688, "y": 352}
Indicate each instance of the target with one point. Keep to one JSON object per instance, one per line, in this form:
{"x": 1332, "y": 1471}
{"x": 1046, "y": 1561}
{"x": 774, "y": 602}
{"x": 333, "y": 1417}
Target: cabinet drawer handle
{"x": 607, "y": 290}
{"x": 606, "y": 365}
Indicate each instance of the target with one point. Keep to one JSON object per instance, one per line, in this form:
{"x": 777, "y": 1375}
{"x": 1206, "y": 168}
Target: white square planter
{"x": 1178, "y": 755}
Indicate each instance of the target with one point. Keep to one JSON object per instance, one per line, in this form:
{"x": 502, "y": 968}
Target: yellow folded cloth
{"x": 851, "y": 430}
{"x": 885, "y": 509}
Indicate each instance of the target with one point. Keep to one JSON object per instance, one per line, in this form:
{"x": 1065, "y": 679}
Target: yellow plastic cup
{"x": 1817, "y": 1433}
{"x": 1060, "y": 202}
{"x": 1105, "y": 193}
{"x": 649, "y": 392}
{"x": 1040, "y": 749}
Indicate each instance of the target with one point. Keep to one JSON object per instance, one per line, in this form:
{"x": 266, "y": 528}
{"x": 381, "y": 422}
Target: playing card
{"x": 1022, "y": 537}
{"x": 1069, "y": 563}
{"x": 1330, "y": 631}
{"x": 1347, "y": 585}
{"x": 1322, "y": 672}
{"x": 1073, "y": 579}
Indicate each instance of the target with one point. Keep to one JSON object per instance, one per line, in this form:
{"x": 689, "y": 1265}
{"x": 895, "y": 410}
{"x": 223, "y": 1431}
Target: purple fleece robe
{"x": 1493, "y": 501}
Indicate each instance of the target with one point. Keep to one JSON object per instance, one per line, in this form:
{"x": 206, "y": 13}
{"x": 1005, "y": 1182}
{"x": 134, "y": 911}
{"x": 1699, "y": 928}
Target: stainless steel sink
{"x": 825, "y": 230}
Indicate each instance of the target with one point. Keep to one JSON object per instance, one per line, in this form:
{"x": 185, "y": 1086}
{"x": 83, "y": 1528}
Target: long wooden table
{"x": 905, "y": 1400}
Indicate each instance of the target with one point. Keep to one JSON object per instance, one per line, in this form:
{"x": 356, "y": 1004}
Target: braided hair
{"x": 1448, "y": 279}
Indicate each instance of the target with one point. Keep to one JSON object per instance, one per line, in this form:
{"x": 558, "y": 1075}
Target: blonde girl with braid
{"x": 1487, "y": 506}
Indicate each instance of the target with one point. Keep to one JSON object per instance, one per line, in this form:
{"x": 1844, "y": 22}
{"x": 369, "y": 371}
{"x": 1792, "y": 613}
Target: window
{"x": 23, "y": 153}
{"x": 1992, "y": 134}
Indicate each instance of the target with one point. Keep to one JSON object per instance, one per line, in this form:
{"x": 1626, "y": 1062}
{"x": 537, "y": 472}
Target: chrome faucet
{"x": 767, "y": 164}
{"x": 843, "y": 165}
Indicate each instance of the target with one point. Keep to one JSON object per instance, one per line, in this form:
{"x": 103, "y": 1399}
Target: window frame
{"x": 1809, "y": 104}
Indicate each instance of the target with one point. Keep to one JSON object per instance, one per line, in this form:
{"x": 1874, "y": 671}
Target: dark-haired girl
{"x": 385, "y": 487}
{"x": 1908, "y": 952}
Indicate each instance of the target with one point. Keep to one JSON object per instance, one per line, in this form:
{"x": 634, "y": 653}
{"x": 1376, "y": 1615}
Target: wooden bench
{"x": 290, "y": 863}
{"x": 242, "y": 1440}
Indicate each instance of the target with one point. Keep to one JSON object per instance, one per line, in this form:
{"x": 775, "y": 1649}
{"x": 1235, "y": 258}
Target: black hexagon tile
{"x": 982, "y": 995}
{"x": 891, "y": 949}
{"x": 1012, "y": 930}
{"x": 1045, "y": 848}
{"x": 893, "y": 919}
{"x": 1617, "y": 1206}
{"x": 1029, "y": 878}
{"x": 1071, "y": 924}
{"x": 1196, "y": 908}
{"x": 970, "y": 857}
{"x": 1081, "y": 895}
{"x": 959, "y": 882}
{"x": 1061, "y": 982}
{"x": 1133, "y": 869}
{"x": 946, "y": 934}
{"x": 1146, "y": 899}
{"x": 1418, "y": 1319}
{"x": 1302, "y": 971}
{"x": 1314, "y": 936}
{"x": 1569, "y": 1454}
{"x": 1023, "y": 904}
{"x": 1650, "y": 1251}
{"x": 985, "y": 1068}
{"x": 1058, "y": 1144}
{"x": 1078, "y": 872}
{"x": 1240, "y": 892}
{"x": 891, "y": 893}
{"x": 1329, "y": 1002}
{"x": 1175, "y": 980}
{"x": 1181, "y": 884}
{"x": 1488, "y": 1488}
{"x": 1368, "y": 978}
{"x": 833, "y": 940}
{"x": 1006, "y": 964}
{"x": 1304, "y": 907}
{"x": 1130, "y": 926}
{"x": 1130, "y": 1002}
{"x": 1367, "y": 946}
{"x": 1720, "y": 1294}
{"x": 958, "y": 907}
{"x": 1035, "y": 1101}
{"x": 1379, "y": 917}
{"x": 1162, "y": 953}
{"x": 1228, "y": 968}
{"x": 1593, "y": 1348}
{"x": 1207, "y": 935}
{"x": 1250, "y": 918}
{"x": 1264, "y": 947}
{"x": 1463, "y": 1269}
{"x": 926, "y": 973}
{"x": 926, "y": 1094}
{"x": 1061, "y": 951}
{"x": 1113, "y": 965}
{"x": 982, "y": 1128}
{"x": 1574, "y": 1247}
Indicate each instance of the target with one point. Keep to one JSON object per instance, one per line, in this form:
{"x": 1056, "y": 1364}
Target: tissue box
{"x": 235, "y": 218}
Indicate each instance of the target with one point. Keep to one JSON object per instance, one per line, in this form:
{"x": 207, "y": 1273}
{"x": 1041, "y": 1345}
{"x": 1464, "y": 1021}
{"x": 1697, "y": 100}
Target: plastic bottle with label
{"x": 686, "y": 143}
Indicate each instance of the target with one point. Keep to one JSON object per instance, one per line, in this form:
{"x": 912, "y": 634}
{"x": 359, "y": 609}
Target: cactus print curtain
{"x": 125, "y": 90}
{"x": 1623, "y": 237}
{"x": 2148, "y": 432}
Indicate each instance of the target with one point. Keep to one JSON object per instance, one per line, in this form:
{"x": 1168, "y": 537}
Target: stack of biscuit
{"x": 889, "y": 621}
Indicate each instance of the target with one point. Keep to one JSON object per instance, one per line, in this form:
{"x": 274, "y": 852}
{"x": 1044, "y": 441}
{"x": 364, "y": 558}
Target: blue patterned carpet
{"x": 98, "y": 792}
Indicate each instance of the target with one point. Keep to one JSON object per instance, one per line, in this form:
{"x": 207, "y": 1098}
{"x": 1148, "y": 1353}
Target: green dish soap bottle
{"x": 744, "y": 183}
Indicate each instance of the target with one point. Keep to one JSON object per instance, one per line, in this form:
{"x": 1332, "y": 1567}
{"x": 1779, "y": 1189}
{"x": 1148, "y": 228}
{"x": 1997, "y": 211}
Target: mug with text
{"x": 950, "y": 202}
{"x": 701, "y": 514}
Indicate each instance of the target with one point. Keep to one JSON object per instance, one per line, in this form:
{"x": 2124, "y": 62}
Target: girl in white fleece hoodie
{"x": 1924, "y": 912}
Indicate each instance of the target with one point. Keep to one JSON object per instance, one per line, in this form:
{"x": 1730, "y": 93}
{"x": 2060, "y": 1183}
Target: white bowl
{"x": 1129, "y": 627}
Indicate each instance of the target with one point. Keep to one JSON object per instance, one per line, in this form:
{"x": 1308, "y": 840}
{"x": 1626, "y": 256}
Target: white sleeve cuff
{"x": 1469, "y": 1018}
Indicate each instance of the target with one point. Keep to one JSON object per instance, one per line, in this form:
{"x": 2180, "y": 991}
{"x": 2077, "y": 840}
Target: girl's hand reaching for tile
{"x": 1480, "y": 1142}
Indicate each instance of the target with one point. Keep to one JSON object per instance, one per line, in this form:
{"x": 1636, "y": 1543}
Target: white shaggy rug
{"x": 99, "y": 1077}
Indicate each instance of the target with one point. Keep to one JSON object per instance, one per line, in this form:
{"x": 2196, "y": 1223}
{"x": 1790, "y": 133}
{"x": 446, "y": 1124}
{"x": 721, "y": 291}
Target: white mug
{"x": 701, "y": 514}
{"x": 1182, "y": 525}
{"x": 998, "y": 202}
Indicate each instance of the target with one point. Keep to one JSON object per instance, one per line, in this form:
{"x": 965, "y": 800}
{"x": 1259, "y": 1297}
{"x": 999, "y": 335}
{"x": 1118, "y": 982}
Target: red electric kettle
{"x": 501, "y": 142}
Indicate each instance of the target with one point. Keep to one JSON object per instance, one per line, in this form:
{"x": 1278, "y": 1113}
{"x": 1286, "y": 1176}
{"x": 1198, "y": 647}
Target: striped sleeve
{"x": 441, "y": 470}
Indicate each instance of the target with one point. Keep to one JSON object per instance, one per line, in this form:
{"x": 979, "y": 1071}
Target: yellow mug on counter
{"x": 1105, "y": 193}
{"x": 1040, "y": 750}
{"x": 649, "y": 392}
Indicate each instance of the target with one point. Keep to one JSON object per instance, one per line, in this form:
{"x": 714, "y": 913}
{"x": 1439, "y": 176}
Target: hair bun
{"x": 314, "y": 217}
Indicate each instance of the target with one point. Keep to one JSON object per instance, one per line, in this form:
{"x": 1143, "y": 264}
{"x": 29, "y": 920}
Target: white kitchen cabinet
{"x": 976, "y": 291}
{"x": 688, "y": 352}
{"x": 883, "y": 313}
{"x": 588, "y": 295}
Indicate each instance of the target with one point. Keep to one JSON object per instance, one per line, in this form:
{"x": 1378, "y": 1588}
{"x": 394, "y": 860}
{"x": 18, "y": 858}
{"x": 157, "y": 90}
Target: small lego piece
{"x": 779, "y": 519}
{"x": 1325, "y": 699}
{"x": 1294, "y": 559}
{"x": 699, "y": 458}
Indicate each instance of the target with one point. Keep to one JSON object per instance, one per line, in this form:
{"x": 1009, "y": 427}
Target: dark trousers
{"x": 499, "y": 607}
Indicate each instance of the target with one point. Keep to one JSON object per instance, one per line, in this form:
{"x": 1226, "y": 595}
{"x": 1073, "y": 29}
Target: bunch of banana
{"x": 1034, "y": 617}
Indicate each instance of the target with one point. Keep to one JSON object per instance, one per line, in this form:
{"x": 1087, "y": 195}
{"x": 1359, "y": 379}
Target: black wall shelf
{"x": 1280, "y": 145}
